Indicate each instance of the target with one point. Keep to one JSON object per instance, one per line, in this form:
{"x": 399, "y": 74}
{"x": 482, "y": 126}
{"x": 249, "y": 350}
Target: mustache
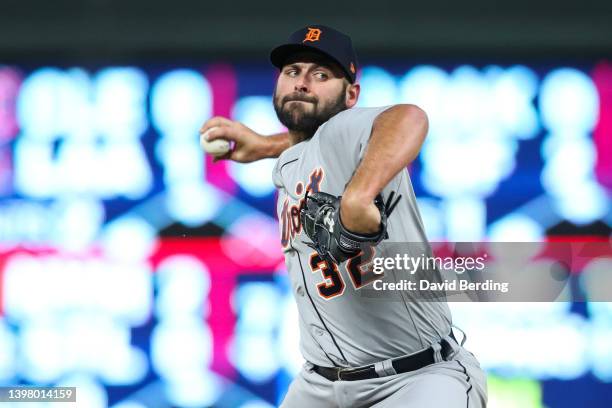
{"x": 299, "y": 97}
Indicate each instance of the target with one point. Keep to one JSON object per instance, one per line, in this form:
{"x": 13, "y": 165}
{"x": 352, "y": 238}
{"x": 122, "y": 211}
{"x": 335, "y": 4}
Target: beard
{"x": 297, "y": 117}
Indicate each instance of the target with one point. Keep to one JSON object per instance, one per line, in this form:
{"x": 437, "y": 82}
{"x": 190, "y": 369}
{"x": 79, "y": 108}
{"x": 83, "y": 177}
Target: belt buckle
{"x": 340, "y": 371}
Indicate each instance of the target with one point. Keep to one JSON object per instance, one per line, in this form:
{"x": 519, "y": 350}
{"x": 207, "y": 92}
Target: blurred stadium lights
{"x": 256, "y": 305}
{"x": 180, "y": 102}
{"x": 67, "y": 146}
{"x": 103, "y": 162}
{"x": 512, "y": 393}
{"x": 256, "y": 112}
{"x": 378, "y": 87}
{"x": 570, "y": 107}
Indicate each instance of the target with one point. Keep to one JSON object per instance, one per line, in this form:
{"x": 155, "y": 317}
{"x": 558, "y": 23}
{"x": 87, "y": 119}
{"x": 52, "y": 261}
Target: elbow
{"x": 413, "y": 121}
{"x": 413, "y": 126}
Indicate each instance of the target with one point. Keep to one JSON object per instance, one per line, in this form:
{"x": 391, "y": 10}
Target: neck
{"x": 296, "y": 137}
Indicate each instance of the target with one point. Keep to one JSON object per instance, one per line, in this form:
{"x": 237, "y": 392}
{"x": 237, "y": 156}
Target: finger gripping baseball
{"x": 320, "y": 217}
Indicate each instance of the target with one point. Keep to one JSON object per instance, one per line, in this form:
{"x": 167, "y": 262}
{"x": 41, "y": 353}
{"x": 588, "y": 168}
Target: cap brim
{"x": 280, "y": 54}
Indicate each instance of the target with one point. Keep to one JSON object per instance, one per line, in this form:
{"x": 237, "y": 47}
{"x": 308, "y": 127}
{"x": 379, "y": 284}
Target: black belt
{"x": 405, "y": 364}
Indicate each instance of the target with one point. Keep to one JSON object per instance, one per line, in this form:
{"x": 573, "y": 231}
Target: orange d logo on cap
{"x": 313, "y": 35}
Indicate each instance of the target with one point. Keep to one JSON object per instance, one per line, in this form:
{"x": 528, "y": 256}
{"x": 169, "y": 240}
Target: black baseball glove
{"x": 320, "y": 218}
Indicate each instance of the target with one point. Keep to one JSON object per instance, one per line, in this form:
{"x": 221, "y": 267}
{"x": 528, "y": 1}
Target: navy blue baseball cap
{"x": 323, "y": 40}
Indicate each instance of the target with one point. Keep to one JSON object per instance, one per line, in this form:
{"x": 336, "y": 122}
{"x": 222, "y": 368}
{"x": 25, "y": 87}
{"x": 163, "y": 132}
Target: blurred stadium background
{"x": 138, "y": 271}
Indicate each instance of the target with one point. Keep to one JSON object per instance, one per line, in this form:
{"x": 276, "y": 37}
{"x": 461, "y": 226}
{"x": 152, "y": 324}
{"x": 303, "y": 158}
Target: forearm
{"x": 276, "y": 144}
{"x": 397, "y": 136}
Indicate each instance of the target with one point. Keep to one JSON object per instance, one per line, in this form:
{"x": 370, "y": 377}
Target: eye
{"x": 321, "y": 75}
{"x": 291, "y": 72}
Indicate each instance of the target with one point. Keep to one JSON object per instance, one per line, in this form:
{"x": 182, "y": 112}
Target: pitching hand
{"x": 248, "y": 146}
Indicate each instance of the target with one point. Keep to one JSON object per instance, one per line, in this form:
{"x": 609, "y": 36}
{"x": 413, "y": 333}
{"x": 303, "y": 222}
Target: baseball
{"x": 217, "y": 147}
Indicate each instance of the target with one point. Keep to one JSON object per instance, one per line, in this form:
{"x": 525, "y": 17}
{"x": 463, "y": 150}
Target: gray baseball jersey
{"x": 338, "y": 325}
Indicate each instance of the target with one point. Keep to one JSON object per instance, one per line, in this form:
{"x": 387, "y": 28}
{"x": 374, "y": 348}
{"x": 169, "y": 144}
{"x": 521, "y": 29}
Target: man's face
{"x": 309, "y": 91}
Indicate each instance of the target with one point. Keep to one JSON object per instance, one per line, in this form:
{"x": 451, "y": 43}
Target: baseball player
{"x": 344, "y": 190}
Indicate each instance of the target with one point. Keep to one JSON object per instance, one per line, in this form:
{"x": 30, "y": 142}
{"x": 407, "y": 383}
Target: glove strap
{"x": 350, "y": 242}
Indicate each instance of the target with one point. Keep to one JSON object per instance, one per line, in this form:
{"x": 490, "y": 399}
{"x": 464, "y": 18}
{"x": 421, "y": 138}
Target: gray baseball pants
{"x": 457, "y": 383}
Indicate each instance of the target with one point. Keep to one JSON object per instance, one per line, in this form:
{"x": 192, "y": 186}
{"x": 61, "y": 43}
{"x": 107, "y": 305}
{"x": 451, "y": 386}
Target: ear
{"x": 352, "y": 94}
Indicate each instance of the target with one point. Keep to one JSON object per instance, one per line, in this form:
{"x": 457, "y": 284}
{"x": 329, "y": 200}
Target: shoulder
{"x": 357, "y": 114}
{"x": 290, "y": 155}
{"x": 351, "y": 124}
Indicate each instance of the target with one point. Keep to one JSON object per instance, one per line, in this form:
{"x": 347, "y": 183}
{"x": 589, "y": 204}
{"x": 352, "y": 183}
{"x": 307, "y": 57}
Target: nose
{"x": 301, "y": 84}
